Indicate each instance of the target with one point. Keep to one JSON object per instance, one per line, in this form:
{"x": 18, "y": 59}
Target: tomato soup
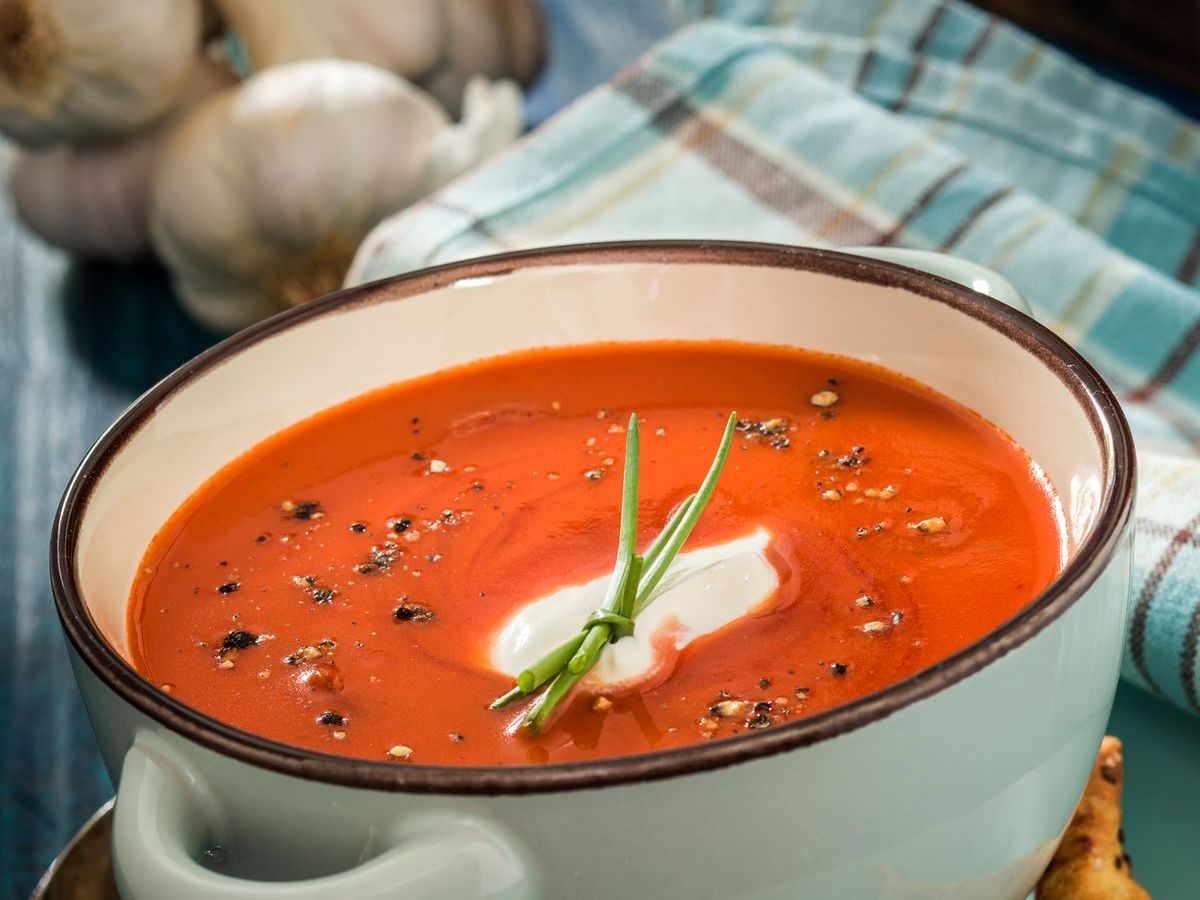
{"x": 341, "y": 586}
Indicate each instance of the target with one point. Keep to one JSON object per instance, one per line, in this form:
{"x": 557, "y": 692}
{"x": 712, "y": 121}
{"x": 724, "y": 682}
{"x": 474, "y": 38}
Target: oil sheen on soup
{"x": 362, "y": 582}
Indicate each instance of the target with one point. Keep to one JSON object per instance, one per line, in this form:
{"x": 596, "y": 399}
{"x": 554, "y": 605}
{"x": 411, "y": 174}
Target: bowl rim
{"x": 1087, "y": 387}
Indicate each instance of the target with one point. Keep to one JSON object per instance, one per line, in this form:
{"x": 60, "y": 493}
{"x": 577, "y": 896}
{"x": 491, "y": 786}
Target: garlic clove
{"x": 403, "y": 38}
{"x": 264, "y": 192}
{"x": 492, "y": 115}
{"x": 522, "y": 38}
{"x": 491, "y": 118}
{"x": 91, "y": 198}
{"x": 493, "y": 38}
{"x": 438, "y": 44}
{"x": 73, "y": 70}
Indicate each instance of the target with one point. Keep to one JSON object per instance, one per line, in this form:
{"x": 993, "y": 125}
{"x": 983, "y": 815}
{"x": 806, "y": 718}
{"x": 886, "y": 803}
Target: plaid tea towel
{"x": 908, "y": 122}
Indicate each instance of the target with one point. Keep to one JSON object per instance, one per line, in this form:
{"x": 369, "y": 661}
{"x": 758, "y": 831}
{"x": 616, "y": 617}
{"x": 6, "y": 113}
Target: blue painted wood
{"x": 77, "y": 342}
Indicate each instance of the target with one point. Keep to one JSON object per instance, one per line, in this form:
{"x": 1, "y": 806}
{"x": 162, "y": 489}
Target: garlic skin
{"x": 264, "y": 192}
{"x": 437, "y": 44}
{"x": 496, "y": 38}
{"x": 91, "y": 199}
{"x": 74, "y": 70}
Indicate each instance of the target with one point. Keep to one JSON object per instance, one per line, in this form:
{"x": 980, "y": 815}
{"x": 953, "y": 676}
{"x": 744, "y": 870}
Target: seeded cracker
{"x": 1091, "y": 862}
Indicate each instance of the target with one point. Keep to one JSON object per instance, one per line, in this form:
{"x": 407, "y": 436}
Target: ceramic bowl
{"x": 954, "y": 782}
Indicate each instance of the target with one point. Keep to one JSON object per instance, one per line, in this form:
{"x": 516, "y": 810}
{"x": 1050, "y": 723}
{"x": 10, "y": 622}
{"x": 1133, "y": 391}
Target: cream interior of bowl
{"x": 333, "y": 357}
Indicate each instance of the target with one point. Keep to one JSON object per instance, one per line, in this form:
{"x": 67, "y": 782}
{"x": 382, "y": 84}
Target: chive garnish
{"x": 685, "y": 524}
{"x": 630, "y": 589}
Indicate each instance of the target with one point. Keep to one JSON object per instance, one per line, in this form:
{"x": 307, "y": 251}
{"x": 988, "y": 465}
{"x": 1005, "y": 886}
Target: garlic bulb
{"x": 264, "y": 192}
{"x": 437, "y": 44}
{"x": 91, "y": 198}
{"x": 74, "y": 70}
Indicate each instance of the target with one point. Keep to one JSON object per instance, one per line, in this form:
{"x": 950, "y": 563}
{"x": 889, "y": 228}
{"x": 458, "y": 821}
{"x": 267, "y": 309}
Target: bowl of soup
{"x": 296, "y": 573}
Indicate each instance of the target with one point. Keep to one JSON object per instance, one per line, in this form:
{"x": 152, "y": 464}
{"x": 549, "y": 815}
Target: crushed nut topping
{"x": 932, "y": 525}
{"x": 301, "y": 509}
{"x": 728, "y": 709}
{"x": 380, "y": 559}
{"x": 319, "y": 595}
{"x": 310, "y": 653}
{"x": 411, "y": 612}
{"x": 774, "y": 430}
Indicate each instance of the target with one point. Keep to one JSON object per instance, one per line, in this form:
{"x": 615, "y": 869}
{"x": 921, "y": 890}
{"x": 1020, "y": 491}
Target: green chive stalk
{"x": 630, "y": 589}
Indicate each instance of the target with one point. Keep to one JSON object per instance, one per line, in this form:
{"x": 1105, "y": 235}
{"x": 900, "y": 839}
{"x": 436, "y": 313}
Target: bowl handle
{"x": 968, "y": 274}
{"x": 166, "y": 814}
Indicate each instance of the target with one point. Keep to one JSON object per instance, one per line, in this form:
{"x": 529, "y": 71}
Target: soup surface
{"x": 341, "y": 586}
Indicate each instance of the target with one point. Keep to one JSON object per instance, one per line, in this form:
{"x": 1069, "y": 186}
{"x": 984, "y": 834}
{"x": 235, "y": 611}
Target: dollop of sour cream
{"x": 703, "y": 591}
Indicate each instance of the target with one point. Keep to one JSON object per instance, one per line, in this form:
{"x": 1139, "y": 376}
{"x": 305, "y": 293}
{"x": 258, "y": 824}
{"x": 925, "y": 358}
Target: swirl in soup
{"x": 368, "y": 580}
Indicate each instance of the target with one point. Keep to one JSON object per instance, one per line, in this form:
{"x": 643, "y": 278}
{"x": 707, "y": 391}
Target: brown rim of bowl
{"x": 1089, "y": 390}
